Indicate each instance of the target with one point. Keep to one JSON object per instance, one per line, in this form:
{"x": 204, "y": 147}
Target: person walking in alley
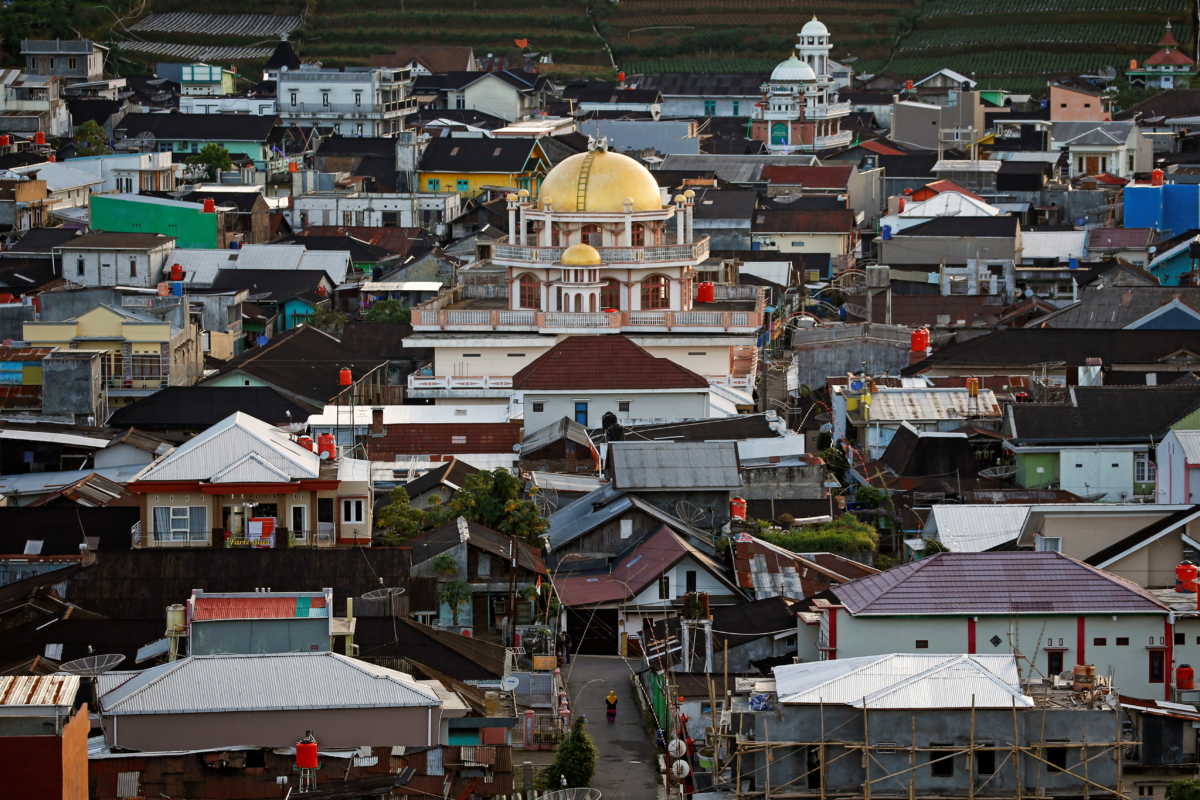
{"x": 610, "y": 704}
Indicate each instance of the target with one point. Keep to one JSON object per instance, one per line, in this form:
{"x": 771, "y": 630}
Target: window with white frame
{"x": 1049, "y": 544}
{"x": 1144, "y": 468}
{"x": 180, "y": 523}
{"x": 352, "y": 511}
{"x": 299, "y": 522}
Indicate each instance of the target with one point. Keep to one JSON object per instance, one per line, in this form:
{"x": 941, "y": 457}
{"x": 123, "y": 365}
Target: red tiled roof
{"x": 632, "y": 573}
{"x": 604, "y": 362}
{"x": 1119, "y": 238}
{"x": 1111, "y": 180}
{"x": 1168, "y": 57}
{"x": 443, "y": 439}
{"x": 944, "y": 185}
{"x": 832, "y": 177}
{"x": 839, "y": 220}
{"x": 1168, "y": 39}
{"x": 207, "y": 608}
{"x": 880, "y": 148}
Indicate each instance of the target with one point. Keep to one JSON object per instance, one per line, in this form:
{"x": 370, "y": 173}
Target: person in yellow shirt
{"x": 610, "y": 704}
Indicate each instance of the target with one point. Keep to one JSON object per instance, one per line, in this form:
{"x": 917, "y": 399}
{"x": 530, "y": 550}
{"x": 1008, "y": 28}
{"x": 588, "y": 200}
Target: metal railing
{"x": 418, "y": 382}
{"x": 697, "y": 250}
{"x": 431, "y": 319}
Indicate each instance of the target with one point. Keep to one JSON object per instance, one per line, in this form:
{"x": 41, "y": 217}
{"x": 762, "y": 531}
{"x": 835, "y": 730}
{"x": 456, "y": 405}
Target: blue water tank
{"x": 177, "y": 288}
{"x": 887, "y": 233}
{"x": 756, "y": 245}
{"x": 261, "y": 340}
{"x": 1073, "y": 263}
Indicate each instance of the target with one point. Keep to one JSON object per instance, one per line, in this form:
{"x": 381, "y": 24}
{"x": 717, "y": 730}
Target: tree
{"x": 90, "y": 139}
{"x": 399, "y": 519}
{"x": 328, "y": 320}
{"x": 213, "y": 158}
{"x": 445, "y": 565}
{"x": 575, "y": 762}
{"x": 1184, "y": 789}
{"x": 454, "y": 594}
{"x": 846, "y": 534}
{"x": 388, "y": 311}
{"x": 496, "y": 499}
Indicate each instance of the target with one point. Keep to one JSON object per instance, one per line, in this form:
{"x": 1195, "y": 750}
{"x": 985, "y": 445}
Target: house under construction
{"x": 915, "y": 726}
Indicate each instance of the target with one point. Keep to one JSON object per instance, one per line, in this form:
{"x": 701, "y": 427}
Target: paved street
{"x": 625, "y": 763}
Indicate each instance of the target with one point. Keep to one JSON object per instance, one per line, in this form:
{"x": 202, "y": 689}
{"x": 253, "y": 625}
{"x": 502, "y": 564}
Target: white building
{"x": 32, "y": 104}
{"x": 800, "y": 110}
{"x": 116, "y": 259}
{"x": 202, "y": 104}
{"x": 66, "y": 186}
{"x": 129, "y": 172}
{"x": 1178, "y": 461}
{"x": 375, "y": 209}
{"x": 354, "y": 101}
{"x": 600, "y": 251}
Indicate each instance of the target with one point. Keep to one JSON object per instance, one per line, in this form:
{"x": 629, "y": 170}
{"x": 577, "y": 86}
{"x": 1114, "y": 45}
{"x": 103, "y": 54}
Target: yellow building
{"x": 143, "y": 353}
{"x": 467, "y": 166}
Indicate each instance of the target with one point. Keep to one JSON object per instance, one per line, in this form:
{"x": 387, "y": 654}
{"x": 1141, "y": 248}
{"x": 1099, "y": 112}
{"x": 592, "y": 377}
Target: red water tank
{"x": 1185, "y": 576}
{"x": 908, "y": 85}
{"x": 706, "y": 292}
{"x": 900, "y": 204}
{"x": 1156, "y": 177}
{"x": 737, "y": 508}
{"x": 620, "y": 77}
{"x": 327, "y": 445}
{"x": 345, "y": 377}
{"x": 176, "y": 272}
{"x": 907, "y": 192}
{"x": 1185, "y": 677}
{"x": 920, "y": 340}
{"x": 39, "y": 138}
{"x": 306, "y": 442}
{"x": 293, "y": 166}
{"x": 52, "y": 158}
{"x": 210, "y": 205}
{"x": 5, "y": 140}
{"x": 306, "y": 755}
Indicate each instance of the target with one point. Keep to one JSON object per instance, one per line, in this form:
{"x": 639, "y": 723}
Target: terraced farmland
{"x": 1016, "y": 44}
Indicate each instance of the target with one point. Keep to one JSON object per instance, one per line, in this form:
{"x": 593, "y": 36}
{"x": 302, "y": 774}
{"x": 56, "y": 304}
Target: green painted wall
{"x": 191, "y": 227}
{"x": 1188, "y": 422}
{"x": 1027, "y": 470}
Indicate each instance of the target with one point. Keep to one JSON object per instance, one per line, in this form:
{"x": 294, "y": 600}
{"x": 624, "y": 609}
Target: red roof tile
{"x": 832, "y": 177}
{"x": 881, "y": 148}
{"x": 1111, "y": 180}
{"x": 604, "y": 362}
{"x": 443, "y": 439}
{"x": 1168, "y": 56}
{"x": 950, "y": 186}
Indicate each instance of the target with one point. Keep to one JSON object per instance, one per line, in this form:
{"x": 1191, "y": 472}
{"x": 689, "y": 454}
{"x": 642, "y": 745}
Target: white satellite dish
{"x": 677, "y": 748}
{"x": 681, "y": 769}
{"x": 91, "y": 666}
{"x": 509, "y": 683}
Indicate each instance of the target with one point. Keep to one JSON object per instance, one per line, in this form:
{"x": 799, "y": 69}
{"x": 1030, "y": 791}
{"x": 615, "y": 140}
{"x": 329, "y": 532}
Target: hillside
{"x": 1013, "y": 44}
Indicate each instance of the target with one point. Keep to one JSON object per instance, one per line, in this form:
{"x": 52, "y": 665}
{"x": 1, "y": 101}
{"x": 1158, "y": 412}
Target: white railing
{"x": 564, "y": 319}
{"x": 429, "y": 319}
{"x": 609, "y": 255}
{"x": 476, "y": 382}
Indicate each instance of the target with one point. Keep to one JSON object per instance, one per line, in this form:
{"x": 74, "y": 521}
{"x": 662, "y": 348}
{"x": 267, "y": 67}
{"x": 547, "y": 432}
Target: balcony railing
{"x": 323, "y": 536}
{"x": 696, "y": 251}
{"x": 550, "y": 321}
{"x": 827, "y": 110}
{"x": 419, "y": 383}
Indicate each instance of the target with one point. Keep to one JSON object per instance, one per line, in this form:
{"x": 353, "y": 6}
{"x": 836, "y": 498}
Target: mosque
{"x": 799, "y": 111}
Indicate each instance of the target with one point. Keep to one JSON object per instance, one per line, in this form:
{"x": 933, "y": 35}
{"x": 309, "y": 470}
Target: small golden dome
{"x": 689, "y": 194}
{"x": 511, "y": 197}
{"x": 599, "y": 181}
{"x": 581, "y": 255}
{"x": 678, "y": 198}
{"x": 523, "y": 193}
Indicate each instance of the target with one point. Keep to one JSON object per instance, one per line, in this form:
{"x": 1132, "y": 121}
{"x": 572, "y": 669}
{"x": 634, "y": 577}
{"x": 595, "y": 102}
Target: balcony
{"x": 839, "y": 139}
{"x": 323, "y": 536}
{"x": 600, "y": 322}
{"x": 517, "y": 254}
{"x": 827, "y": 111}
{"x": 429, "y": 386}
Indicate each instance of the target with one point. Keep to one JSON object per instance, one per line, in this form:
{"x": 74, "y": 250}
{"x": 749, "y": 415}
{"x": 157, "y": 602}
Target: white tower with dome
{"x": 800, "y": 111}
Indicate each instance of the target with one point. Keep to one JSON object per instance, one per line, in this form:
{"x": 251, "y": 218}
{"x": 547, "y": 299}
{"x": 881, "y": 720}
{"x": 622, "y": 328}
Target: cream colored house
{"x": 246, "y": 483}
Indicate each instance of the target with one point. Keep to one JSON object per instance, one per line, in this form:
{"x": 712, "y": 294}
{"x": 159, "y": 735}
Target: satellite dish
{"x": 91, "y": 666}
{"x": 383, "y": 594}
{"x": 677, "y": 748}
{"x": 681, "y": 769}
{"x": 509, "y": 683}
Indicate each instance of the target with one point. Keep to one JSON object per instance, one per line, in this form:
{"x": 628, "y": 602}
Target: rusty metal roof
{"x": 206, "y": 608}
{"x": 38, "y": 690}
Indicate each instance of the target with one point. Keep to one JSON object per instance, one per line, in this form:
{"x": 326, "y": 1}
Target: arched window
{"x": 656, "y": 292}
{"x": 528, "y": 291}
{"x": 610, "y": 293}
{"x": 592, "y": 302}
{"x": 578, "y": 303}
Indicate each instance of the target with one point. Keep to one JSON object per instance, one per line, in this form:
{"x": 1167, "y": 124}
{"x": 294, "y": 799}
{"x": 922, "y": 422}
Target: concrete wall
{"x": 115, "y": 267}
{"x": 72, "y": 385}
{"x": 260, "y": 636}
{"x": 772, "y": 481}
{"x": 541, "y": 408}
{"x": 1086, "y": 472}
{"x": 334, "y": 729}
{"x": 824, "y": 352}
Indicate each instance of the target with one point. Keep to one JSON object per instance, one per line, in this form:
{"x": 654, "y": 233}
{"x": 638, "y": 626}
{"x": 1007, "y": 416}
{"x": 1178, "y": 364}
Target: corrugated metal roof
{"x": 53, "y": 437}
{"x": 261, "y": 682}
{"x": 38, "y": 690}
{"x": 694, "y": 466}
{"x": 898, "y": 680}
{"x": 230, "y": 441}
{"x": 1006, "y": 582}
{"x": 894, "y": 405}
{"x": 975, "y": 528}
{"x": 1190, "y": 442}
{"x": 309, "y": 606}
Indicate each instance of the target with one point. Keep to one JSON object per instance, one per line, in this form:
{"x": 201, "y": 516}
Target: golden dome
{"x": 602, "y": 181}
{"x": 581, "y": 255}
